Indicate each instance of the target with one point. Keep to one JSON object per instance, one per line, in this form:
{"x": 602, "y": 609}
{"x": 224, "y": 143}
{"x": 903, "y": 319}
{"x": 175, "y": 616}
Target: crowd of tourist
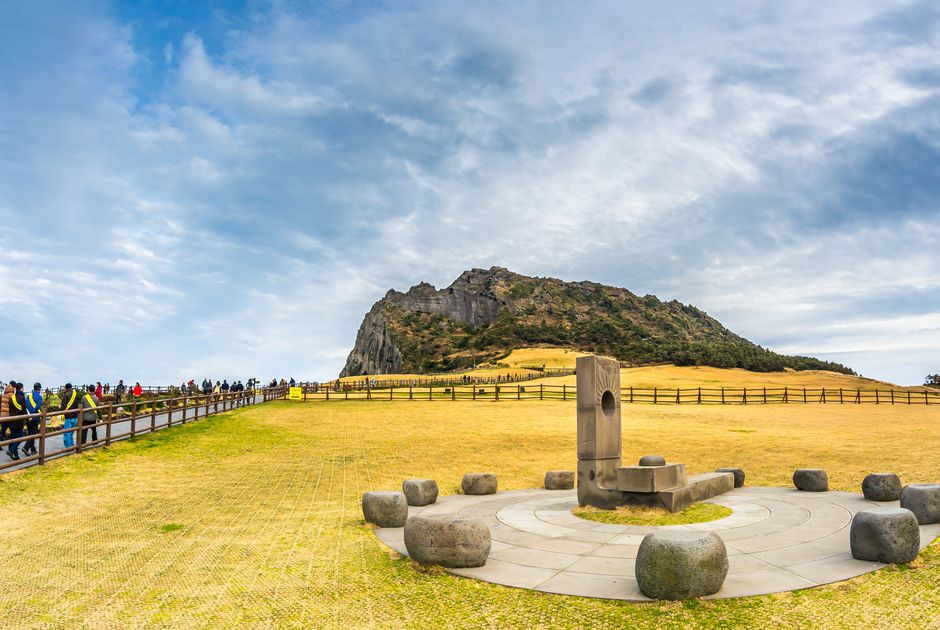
{"x": 18, "y": 408}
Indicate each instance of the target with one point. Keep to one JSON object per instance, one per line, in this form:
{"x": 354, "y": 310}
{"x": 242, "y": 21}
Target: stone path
{"x": 778, "y": 539}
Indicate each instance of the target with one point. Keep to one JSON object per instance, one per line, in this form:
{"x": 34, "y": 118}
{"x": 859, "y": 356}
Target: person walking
{"x": 90, "y": 415}
{"x": 119, "y": 392}
{"x": 5, "y": 407}
{"x": 33, "y": 406}
{"x": 70, "y": 404}
{"x": 14, "y": 421}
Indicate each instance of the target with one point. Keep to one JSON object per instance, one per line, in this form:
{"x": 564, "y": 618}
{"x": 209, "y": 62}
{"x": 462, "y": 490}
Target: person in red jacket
{"x": 138, "y": 390}
{"x": 99, "y": 392}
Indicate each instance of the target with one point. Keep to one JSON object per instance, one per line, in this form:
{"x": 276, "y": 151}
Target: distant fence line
{"x": 127, "y": 419}
{"x": 441, "y": 380}
{"x": 634, "y": 395}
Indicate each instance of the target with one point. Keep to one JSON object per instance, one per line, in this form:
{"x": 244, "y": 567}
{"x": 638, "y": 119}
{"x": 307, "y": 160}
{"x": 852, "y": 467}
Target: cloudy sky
{"x": 224, "y": 190}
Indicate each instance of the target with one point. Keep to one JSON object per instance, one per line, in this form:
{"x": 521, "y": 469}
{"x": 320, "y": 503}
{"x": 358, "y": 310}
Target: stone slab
{"x": 650, "y": 478}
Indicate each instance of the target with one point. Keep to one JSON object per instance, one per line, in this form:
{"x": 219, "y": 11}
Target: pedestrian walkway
{"x": 778, "y": 539}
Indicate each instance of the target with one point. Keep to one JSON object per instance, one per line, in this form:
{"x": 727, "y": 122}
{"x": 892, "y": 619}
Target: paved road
{"x": 119, "y": 427}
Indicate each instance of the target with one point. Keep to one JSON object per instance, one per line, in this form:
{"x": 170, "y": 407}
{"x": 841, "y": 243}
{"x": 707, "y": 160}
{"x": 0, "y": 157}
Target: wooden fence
{"x": 362, "y": 384}
{"x": 127, "y": 419}
{"x": 651, "y": 395}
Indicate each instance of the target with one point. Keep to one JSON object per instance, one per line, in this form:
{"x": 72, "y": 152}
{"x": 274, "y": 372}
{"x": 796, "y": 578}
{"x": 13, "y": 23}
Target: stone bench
{"x": 811, "y": 479}
{"x": 455, "y": 542}
{"x": 738, "y": 475}
{"x": 882, "y": 487}
{"x": 559, "y": 480}
{"x": 681, "y": 564}
{"x": 420, "y": 492}
{"x": 923, "y": 499}
{"x": 385, "y": 508}
{"x": 478, "y": 483}
{"x": 888, "y": 535}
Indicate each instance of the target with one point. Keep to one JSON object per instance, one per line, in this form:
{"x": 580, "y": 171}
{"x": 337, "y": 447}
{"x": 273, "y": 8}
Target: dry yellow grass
{"x": 547, "y": 357}
{"x": 252, "y": 518}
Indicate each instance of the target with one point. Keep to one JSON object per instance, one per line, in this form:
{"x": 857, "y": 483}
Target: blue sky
{"x": 224, "y": 189}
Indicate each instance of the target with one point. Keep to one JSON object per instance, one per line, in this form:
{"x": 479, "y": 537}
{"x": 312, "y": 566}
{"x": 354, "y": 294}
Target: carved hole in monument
{"x": 592, "y": 475}
{"x": 607, "y": 403}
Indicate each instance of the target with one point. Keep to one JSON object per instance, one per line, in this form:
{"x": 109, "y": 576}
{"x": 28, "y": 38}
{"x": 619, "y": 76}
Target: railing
{"x": 636, "y": 395}
{"x": 123, "y": 420}
{"x": 362, "y": 384}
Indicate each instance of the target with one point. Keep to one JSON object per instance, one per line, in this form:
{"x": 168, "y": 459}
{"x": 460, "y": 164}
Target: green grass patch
{"x": 171, "y": 527}
{"x": 631, "y": 515}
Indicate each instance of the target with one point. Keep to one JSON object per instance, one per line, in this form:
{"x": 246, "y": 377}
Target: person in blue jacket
{"x": 33, "y": 405}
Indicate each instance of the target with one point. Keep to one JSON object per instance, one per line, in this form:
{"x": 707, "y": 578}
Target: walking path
{"x": 120, "y": 430}
{"x": 778, "y": 539}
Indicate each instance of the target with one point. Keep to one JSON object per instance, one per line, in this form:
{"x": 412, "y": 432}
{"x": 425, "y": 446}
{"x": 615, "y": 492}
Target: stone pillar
{"x": 598, "y": 432}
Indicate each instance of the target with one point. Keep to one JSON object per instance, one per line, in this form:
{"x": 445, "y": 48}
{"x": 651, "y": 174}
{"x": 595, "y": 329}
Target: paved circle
{"x": 778, "y": 539}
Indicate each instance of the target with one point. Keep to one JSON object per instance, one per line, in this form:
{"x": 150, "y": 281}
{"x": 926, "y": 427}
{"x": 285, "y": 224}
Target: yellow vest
{"x": 15, "y": 404}
{"x": 32, "y": 401}
{"x": 91, "y": 401}
{"x": 71, "y": 400}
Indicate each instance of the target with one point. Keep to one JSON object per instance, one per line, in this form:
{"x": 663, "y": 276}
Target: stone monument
{"x": 602, "y": 481}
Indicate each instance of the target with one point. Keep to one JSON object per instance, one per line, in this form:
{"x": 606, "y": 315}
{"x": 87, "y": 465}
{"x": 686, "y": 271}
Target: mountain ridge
{"x": 485, "y": 313}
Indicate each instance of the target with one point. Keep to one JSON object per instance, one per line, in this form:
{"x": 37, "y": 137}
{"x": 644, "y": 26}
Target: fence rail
{"x": 119, "y": 421}
{"x": 635, "y": 395}
{"x": 362, "y": 384}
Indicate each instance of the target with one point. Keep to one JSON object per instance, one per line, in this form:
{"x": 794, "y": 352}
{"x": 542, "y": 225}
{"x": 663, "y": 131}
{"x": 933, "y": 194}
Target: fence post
{"x": 153, "y": 416}
{"x": 722, "y": 394}
{"x": 42, "y": 436}
{"x": 564, "y": 392}
{"x": 877, "y": 400}
{"x": 496, "y": 391}
{"x": 655, "y": 394}
{"x": 786, "y": 392}
{"x": 745, "y": 395}
{"x": 631, "y": 393}
{"x": 858, "y": 396}
{"x": 134, "y": 419}
{"x": 678, "y": 401}
{"x": 518, "y": 392}
{"x": 185, "y": 407}
{"x": 765, "y": 395}
{"x": 804, "y": 395}
{"x": 822, "y": 398}
{"x": 410, "y": 391}
{"x": 107, "y": 427}
{"x": 840, "y": 396}
{"x": 892, "y": 395}
{"x": 541, "y": 391}
{"x": 453, "y": 392}
{"x": 473, "y": 391}
{"x": 699, "y": 399}
{"x": 926, "y": 399}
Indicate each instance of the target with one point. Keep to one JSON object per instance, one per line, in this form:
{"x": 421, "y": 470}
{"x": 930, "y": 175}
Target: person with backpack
{"x": 14, "y": 421}
{"x": 70, "y": 404}
{"x": 33, "y": 406}
{"x": 90, "y": 415}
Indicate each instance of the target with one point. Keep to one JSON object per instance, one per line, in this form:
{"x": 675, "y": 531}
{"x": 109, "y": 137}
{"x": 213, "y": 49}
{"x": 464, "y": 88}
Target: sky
{"x": 223, "y": 189}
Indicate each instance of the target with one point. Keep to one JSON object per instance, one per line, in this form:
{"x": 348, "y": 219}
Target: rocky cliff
{"x": 484, "y": 314}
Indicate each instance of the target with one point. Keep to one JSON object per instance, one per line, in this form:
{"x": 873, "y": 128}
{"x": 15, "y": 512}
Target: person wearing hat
{"x": 70, "y": 404}
{"x": 33, "y": 405}
{"x": 14, "y": 421}
{"x": 90, "y": 415}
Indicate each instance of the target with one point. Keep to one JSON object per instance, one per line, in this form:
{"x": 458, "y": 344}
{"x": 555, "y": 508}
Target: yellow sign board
{"x": 295, "y": 393}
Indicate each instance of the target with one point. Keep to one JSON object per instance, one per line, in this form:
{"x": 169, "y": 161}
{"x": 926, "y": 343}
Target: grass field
{"x": 253, "y": 517}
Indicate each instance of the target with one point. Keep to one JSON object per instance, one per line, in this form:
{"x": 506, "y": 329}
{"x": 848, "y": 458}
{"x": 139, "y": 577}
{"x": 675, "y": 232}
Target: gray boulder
{"x": 385, "y": 508}
{"x": 738, "y": 475}
{"x": 681, "y": 564}
{"x": 420, "y": 491}
{"x": 887, "y": 535}
{"x": 478, "y": 483}
{"x": 882, "y": 487}
{"x": 652, "y": 460}
{"x": 811, "y": 479}
{"x": 923, "y": 499}
{"x": 455, "y": 542}
{"x": 559, "y": 480}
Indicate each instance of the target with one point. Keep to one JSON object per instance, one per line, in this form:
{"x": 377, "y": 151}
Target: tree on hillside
{"x": 932, "y": 380}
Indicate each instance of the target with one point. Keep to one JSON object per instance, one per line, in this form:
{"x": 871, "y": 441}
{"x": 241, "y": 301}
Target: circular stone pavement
{"x": 778, "y": 539}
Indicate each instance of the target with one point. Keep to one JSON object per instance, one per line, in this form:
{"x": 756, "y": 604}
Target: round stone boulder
{"x": 738, "y": 475}
{"x": 559, "y": 480}
{"x": 811, "y": 479}
{"x": 478, "y": 483}
{"x": 681, "y": 564}
{"x": 652, "y": 460}
{"x": 888, "y": 535}
{"x": 923, "y": 499}
{"x": 385, "y": 508}
{"x": 882, "y": 487}
{"x": 420, "y": 491}
{"x": 455, "y": 542}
